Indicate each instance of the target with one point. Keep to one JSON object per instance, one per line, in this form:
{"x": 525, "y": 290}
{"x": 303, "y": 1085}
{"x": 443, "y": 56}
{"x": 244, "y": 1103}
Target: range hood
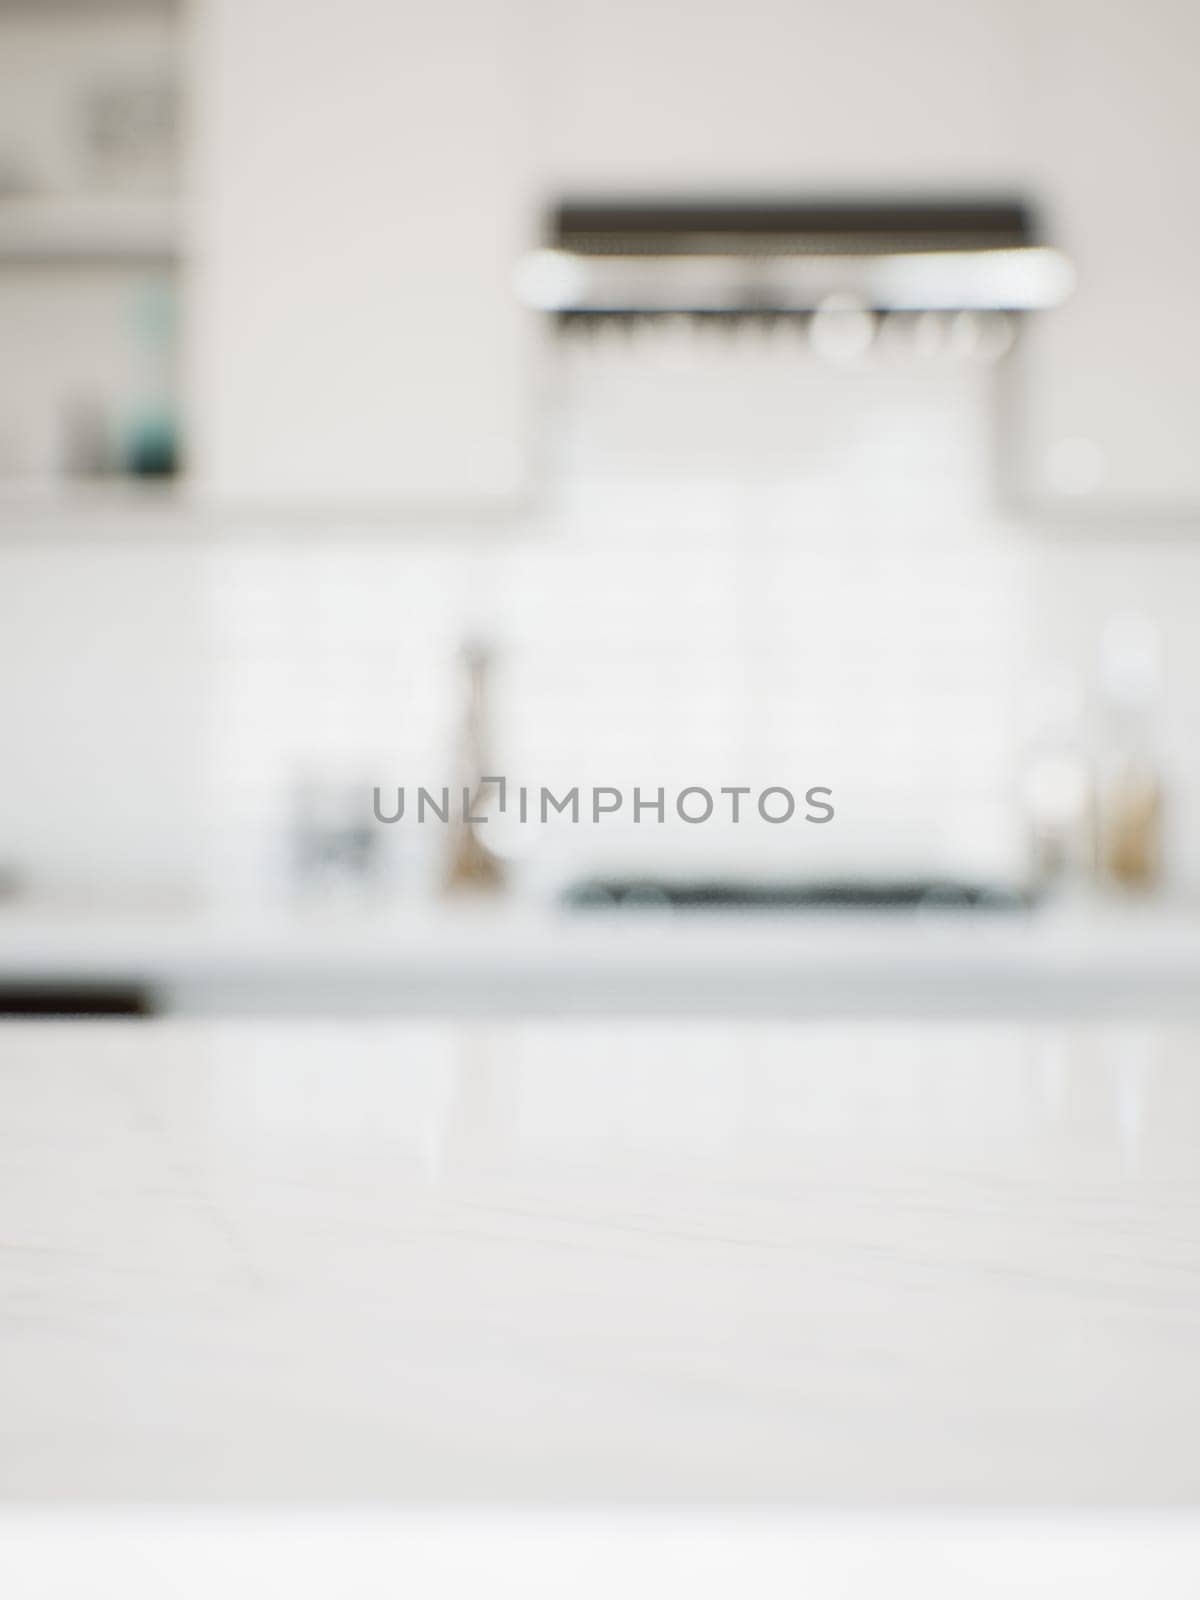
{"x": 736, "y": 259}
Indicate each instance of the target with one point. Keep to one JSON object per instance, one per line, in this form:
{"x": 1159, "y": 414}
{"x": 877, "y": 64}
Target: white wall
{"x": 775, "y": 92}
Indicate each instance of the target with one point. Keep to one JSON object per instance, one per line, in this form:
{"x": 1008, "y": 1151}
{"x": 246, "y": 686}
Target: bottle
{"x": 151, "y": 448}
{"x": 1057, "y": 785}
{"x": 470, "y": 866}
{"x": 1130, "y": 789}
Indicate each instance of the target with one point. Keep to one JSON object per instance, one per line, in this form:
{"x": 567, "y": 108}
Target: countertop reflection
{"x": 637, "y": 1260}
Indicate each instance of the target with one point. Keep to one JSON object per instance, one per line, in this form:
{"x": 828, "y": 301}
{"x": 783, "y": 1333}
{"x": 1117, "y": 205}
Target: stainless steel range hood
{"x": 738, "y": 259}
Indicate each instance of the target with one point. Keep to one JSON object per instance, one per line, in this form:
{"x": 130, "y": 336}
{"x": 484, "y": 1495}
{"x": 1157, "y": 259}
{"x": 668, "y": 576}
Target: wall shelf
{"x": 90, "y": 230}
{"x": 123, "y": 509}
{"x": 40, "y": 510}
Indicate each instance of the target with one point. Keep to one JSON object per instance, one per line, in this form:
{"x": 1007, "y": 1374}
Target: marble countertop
{"x": 1084, "y": 958}
{"x": 549, "y": 1261}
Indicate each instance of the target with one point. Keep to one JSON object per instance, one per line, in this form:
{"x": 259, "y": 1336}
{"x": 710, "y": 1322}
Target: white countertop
{"x": 1083, "y": 959}
{"x": 562, "y": 1262}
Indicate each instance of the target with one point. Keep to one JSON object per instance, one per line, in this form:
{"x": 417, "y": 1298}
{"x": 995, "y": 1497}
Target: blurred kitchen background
{"x": 293, "y": 413}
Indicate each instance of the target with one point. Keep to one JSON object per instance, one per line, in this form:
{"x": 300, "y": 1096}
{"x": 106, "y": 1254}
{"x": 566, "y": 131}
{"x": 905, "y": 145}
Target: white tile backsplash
{"x": 746, "y": 569}
{"x": 103, "y": 683}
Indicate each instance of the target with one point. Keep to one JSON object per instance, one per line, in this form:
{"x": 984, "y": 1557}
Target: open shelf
{"x": 38, "y": 509}
{"x": 98, "y": 229}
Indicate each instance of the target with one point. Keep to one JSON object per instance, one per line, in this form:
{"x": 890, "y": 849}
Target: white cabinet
{"x": 359, "y": 204}
{"x": 1113, "y": 378}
